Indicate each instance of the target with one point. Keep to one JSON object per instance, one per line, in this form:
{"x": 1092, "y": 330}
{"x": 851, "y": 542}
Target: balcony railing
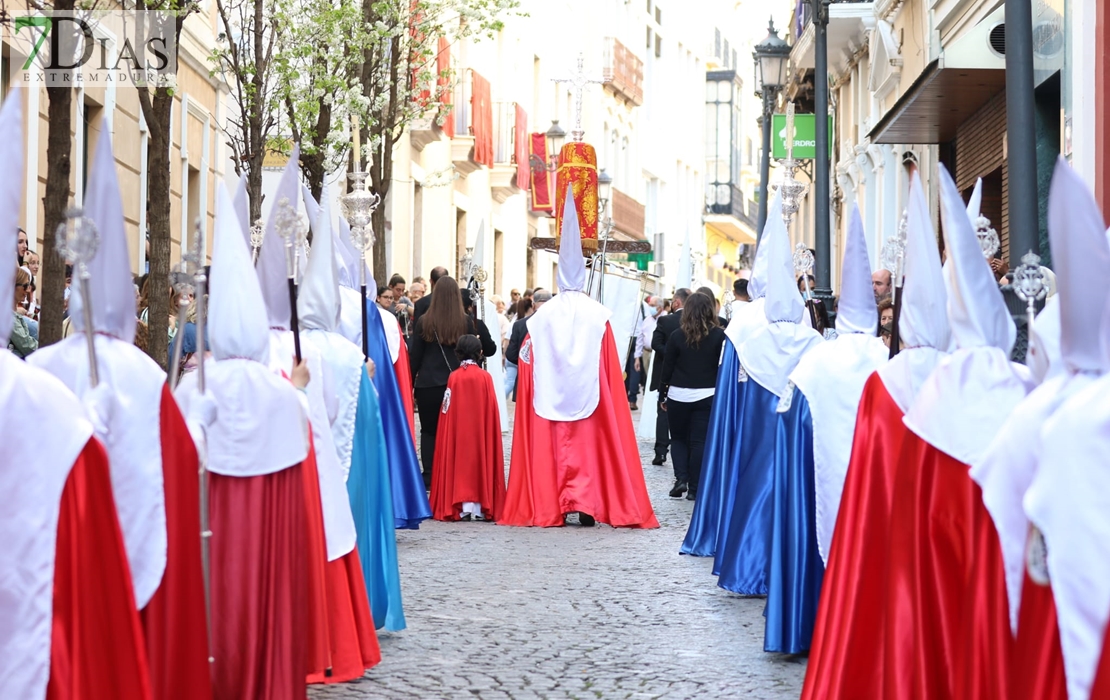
{"x": 504, "y": 132}
{"x": 728, "y": 199}
{"x": 623, "y": 72}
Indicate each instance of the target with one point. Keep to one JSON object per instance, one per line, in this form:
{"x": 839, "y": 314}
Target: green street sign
{"x": 805, "y": 136}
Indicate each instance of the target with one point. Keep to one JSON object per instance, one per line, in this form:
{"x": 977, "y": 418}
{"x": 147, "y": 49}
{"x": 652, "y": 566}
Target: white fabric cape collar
{"x": 771, "y": 353}
{"x": 831, "y": 376}
{"x": 567, "y": 334}
{"x": 32, "y": 478}
{"x": 746, "y": 320}
{"x": 133, "y": 442}
{"x": 965, "y": 401}
{"x": 1069, "y": 502}
{"x": 907, "y": 371}
{"x": 345, "y": 365}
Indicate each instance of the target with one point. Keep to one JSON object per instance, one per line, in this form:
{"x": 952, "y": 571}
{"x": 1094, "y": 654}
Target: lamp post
{"x": 770, "y": 56}
{"x": 822, "y": 244}
{"x": 1021, "y": 132}
{"x": 555, "y": 137}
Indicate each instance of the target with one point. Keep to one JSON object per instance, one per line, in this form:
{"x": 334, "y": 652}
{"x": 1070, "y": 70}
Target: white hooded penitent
{"x": 751, "y": 317}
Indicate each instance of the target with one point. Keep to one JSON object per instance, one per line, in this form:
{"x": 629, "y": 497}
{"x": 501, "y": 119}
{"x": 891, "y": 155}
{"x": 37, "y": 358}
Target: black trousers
{"x": 662, "y": 434}
{"x": 429, "y": 402}
{"x": 689, "y": 425}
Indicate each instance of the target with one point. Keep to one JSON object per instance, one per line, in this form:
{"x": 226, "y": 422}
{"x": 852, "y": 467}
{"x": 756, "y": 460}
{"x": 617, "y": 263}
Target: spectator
{"x": 886, "y": 320}
{"x": 416, "y": 290}
{"x": 505, "y": 327}
{"x": 663, "y": 329}
{"x": 433, "y": 358}
{"x": 740, "y": 290}
{"x": 421, "y": 306}
{"x": 653, "y": 306}
{"x": 806, "y": 284}
{"x": 385, "y": 298}
{"x": 880, "y": 283}
{"x": 686, "y": 388}
{"x": 21, "y": 246}
{"x": 21, "y": 342}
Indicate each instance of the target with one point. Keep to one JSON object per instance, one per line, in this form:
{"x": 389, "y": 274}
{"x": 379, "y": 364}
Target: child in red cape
{"x": 468, "y": 477}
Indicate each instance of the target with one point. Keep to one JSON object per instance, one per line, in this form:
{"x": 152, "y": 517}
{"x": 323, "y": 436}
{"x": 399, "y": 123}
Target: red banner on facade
{"x": 481, "y": 110}
{"x": 541, "y": 179}
{"x": 520, "y": 148}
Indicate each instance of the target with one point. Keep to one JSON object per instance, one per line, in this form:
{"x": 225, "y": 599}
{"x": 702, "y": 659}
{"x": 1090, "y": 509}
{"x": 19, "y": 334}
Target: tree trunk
{"x": 158, "y": 195}
{"x": 58, "y": 145}
{"x": 380, "y": 174}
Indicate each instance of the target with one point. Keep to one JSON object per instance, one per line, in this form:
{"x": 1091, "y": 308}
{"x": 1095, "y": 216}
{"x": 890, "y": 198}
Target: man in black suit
{"x": 663, "y": 329}
{"x": 425, "y": 301}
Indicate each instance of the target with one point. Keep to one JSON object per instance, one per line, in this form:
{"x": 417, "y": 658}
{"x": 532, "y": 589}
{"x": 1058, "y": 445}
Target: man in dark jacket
{"x": 663, "y": 329}
{"x": 520, "y": 329}
{"x": 422, "y": 304}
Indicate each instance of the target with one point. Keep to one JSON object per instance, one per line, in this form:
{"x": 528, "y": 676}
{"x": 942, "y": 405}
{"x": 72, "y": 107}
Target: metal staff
{"x": 358, "y": 208}
{"x": 186, "y": 269}
{"x": 288, "y": 226}
{"x": 258, "y": 234}
{"x": 77, "y": 239}
{"x": 803, "y": 262}
{"x": 1030, "y": 284}
{"x": 200, "y": 279}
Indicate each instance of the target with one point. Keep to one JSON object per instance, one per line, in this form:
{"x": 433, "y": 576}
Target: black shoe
{"x": 691, "y": 495}
{"x": 678, "y": 489}
{"x": 658, "y": 461}
{"x": 586, "y": 520}
{"x": 633, "y": 407}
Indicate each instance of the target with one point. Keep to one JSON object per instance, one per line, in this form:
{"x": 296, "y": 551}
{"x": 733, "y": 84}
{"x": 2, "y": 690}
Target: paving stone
{"x": 592, "y": 613}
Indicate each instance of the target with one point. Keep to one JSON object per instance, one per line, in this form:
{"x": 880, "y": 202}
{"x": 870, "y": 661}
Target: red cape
{"x": 590, "y": 465}
{"x": 174, "y": 620}
{"x": 352, "y": 639}
{"x": 404, "y": 383}
{"x": 1038, "y": 670}
{"x": 259, "y": 570}
{"x": 96, "y": 643}
{"x": 1100, "y": 690}
{"x": 469, "y": 462}
{"x": 317, "y": 651}
{"x": 845, "y": 660}
{"x": 947, "y": 625}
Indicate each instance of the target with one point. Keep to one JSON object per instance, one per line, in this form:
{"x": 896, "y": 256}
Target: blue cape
{"x": 372, "y": 507}
{"x": 410, "y": 500}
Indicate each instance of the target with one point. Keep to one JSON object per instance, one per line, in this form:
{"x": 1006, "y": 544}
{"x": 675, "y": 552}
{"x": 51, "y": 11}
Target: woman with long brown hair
{"x": 432, "y": 359}
{"x": 687, "y": 385}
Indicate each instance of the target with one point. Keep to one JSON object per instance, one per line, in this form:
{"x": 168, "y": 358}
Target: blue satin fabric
{"x": 372, "y": 507}
{"x": 744, "y": 537}
{"x": 718, "y": 483}
{"x": 410, "y": 500}
{"x": 795, "y": 570}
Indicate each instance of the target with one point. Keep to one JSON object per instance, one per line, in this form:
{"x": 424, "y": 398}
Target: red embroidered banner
{"x": 541, "y": 179}
{"x": 520, "y": 147}
{"x": 578, "y": 172}
{"x": 443, "y": 85}
{"x": 481, "y": 120}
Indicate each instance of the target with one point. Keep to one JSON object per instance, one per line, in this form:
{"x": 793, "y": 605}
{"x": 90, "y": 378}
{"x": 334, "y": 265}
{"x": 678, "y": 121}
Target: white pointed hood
{"x": 1080, "y": 255}
{"x": 346, "y": 255}
{"x": 243, "y": 208}
{"x": 571, "y": 276}
{"x": 975, "y": 202}
{"x": 757, "y": 285}
{"x": 566, "y": 336}
{"x": 237, "y": 326}
{"x": 273, "y": 275}
{"x": 11, "y": 196}
{"x": 965, "y": 401}
{"x": 832, "y": 375}
{"x": 318, "y": 297}
{"x": 856, "y": 311}
{"x": 1010, "y": 466}
{"x": 113, "y": 292}
{"x": 751, "y": 317}
{"x": 923, "y": 321}
{"x": 771, "y": 353}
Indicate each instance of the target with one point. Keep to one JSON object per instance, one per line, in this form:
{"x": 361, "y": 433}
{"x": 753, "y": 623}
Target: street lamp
{"x": 770, "y": 56}
{"x": 555, "y": 137}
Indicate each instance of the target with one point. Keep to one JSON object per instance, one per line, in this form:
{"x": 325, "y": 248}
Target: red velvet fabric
{"x": 174, "y": 620}
{"x": 404, "y": 383}
{"x": 470, "y": 462}
{"x": 259, "y": 585}
{"x": 947, "y": 625}
{"x": 1038, "y": 670}
{"x": 353, "y": 642}
{"x": 1100, "y": 690}
{"x": 845, "y": 660}
{"x": 317, "y": 653}
{"x": 96, "y": 644}
{"x": 591, "y": 465}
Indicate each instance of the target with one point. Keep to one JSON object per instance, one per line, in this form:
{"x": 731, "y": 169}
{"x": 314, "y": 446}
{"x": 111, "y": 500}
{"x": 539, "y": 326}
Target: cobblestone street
{"x": 499, "y": 612}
